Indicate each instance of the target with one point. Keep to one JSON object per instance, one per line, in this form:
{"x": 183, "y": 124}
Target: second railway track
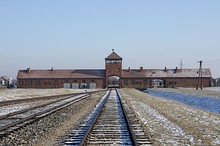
{"x": 109, "y": 124}
{"x": 16, "y": 120}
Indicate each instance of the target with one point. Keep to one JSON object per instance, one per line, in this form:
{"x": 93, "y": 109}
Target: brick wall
{"x": 55, "y": 83}
{"x": 168, "y": 82}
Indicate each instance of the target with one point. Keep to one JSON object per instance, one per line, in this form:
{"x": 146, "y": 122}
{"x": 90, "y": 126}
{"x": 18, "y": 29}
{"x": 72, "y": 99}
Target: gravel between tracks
{"x": 173, "y": 123}
{"x": 48, "y": 130}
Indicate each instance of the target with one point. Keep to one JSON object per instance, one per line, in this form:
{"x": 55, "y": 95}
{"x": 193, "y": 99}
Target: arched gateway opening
{"x": 113, "y": 82}
{"x": 159, "y": 83}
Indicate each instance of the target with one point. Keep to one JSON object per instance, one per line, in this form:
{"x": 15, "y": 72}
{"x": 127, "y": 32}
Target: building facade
{"x": 113, "y": 76}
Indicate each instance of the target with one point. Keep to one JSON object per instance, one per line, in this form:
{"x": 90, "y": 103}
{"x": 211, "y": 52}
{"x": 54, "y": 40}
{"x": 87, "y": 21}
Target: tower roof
{"x": 113, "y": 56}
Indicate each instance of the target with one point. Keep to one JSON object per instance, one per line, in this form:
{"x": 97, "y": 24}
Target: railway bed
{"x": 110, "y": 123}
{"x": 28, "y": 100}
{"x": 16, "y": 120}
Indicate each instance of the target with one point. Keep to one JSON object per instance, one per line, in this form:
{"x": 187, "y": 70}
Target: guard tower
{"x": 113, "y": 69}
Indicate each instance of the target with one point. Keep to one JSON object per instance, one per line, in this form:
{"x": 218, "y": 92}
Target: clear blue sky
{"x": 69, "y": 34}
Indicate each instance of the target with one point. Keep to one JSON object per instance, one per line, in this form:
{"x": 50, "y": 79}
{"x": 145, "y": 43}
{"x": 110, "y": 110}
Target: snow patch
{"x": 209, "y": 103}
{"x": 173, "y": 134}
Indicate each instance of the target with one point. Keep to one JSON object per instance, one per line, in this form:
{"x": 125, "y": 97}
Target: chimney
{"x": 129, "y": 69}
{"x": 165, "y": 69}
{"x": 141, "y": 69}
{"x": 28, "y": 70}
{"x": 175, "y": 70}
{"x": 52, "y": 69}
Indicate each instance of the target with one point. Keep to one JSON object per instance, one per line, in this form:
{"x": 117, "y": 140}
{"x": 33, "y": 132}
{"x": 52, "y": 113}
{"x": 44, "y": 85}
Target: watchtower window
{"x": 113, "y": 61}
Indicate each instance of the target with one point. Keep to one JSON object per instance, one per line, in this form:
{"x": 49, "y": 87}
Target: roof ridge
{"x": 113, "y": 56}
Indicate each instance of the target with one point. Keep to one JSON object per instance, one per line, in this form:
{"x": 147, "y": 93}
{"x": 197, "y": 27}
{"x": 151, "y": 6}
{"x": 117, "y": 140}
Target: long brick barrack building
{"x": 113, "y": 76}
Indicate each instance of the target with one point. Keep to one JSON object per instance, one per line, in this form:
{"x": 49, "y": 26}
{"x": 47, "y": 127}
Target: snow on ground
{"x": 7, "y": 110}
{"x": 210, "y": 91}
{"x": 215, "y": 89}
{"x": 162, "y": 124}
{"x": 206, "y": 102}
{"x": 172, "y": 123}
{"x": 11, "y": 94}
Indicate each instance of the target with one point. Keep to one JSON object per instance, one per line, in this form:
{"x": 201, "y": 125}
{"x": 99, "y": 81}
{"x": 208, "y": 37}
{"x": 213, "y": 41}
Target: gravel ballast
{"x": 173, "y": 123}
{"x": 49, "y": 130}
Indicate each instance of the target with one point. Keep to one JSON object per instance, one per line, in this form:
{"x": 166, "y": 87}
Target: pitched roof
{"x": 113, "y": 56}
{"x": 100, "y": 73}
{"x": 169, "y": 73}
{"x": 57, "y": 74}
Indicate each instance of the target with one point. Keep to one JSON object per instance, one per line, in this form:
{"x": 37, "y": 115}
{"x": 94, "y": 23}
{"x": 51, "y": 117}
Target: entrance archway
{"x": 113, "y": 82}
{"x": 158, "y": 83}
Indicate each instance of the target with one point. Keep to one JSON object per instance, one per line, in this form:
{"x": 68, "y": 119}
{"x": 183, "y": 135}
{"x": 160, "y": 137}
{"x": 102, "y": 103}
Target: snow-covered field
{"x": 12, "y": 94}
{"x": 211, "y": 91}
{"x": 215, "y": 89}
{"x": 172, "y": 123}
{"x": 206, "y": 102}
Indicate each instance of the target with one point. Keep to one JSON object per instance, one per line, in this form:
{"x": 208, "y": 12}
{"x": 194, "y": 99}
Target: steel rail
{"x": 134, "y": 141}
{"x": 32, "y": 108}
{"x": 17, "y": 101}
{"x": 94, "y": 121}
{"x": 40, "y": 114}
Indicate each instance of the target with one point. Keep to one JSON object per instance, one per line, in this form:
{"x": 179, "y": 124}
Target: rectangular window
{"x": 145, "y": 82}
{"x": 133, "y": 82}
{"x": 126, "y": 82}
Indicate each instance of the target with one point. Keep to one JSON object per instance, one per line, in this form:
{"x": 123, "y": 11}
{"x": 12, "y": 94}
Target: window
{"x": 113, "y": 61}
{"x": 126, "y": 82}
{"x": 145, "y": 82}
{"x": 172, "y": 83}
{"x": 29, "y": 82}
{"x": 133, "y": 82}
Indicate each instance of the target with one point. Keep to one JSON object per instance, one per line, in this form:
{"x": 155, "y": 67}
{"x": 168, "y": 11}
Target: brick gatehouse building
{"x": 113, "y": 76}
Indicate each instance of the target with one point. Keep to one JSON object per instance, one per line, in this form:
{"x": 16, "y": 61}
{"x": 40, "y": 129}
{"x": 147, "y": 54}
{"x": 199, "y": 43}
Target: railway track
{"x": 16, "y": 120}
{"x": 27, "y": 100}
{"x": 110, "y": 123}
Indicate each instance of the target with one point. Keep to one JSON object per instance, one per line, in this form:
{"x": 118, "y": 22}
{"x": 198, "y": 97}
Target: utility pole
{"x": 181, "y": 64}
{"x": 200, "y": 75}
